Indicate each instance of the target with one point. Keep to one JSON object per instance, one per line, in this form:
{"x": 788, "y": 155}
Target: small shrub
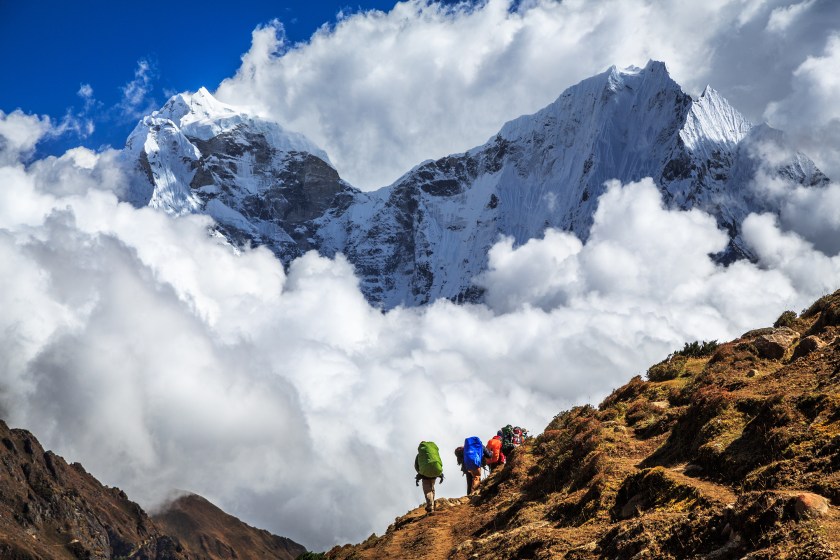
{"x": 786, "y": 319}
{"x": 638, "y": 411}
{"x": 669, "y": 369}
{"x": 312, "y": 556}
{"x": 698, "y": 349}
{"x": 627, "y": 393}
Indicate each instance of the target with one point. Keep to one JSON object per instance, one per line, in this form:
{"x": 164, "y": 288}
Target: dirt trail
{"x": 709, "y": 489}
{"x": 421, "y": 536}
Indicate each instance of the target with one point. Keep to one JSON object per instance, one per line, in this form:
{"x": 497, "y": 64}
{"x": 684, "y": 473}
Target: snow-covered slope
{"x": 427, "y": 235}
{"x": 261, "y": 183}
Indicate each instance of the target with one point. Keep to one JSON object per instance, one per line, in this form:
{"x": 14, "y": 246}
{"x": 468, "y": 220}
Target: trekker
{"x": 506, "y": 434}
{"x": 459, "y": 457}
{"x": 497, "y": 458}
{"x": 472, "y": 456}
{"x": 428, "y": 465}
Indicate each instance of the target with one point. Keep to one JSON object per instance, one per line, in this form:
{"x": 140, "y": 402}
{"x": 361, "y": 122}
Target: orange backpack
{"x": 494, "y": 446}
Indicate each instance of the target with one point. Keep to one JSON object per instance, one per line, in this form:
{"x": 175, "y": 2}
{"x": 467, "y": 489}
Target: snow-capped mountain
{"x": 261, "y": 183}
{"x": 427, "y": 235}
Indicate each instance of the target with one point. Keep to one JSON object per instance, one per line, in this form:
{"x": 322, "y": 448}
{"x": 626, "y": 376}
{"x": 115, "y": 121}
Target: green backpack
{"x": 428, "y": 460}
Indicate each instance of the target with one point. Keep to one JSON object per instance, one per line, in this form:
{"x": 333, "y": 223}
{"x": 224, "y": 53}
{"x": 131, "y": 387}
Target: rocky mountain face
{"x": 723, "y": 452}
{"x": 427, "y": 235}
{"x": 52, "y": 510}
{"x": 49, "y": 509}
{"x": 262, "y": 184}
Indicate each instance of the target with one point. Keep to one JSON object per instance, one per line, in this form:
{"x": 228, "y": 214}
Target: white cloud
{"x": 381, "y": 92}
{"x": 136, "y": 100}
{"x": 783, "y": 17}
{"x": 750, "y": 10}
{"x": 811, "y": 113}
{"x": 19, "y": 133}
{"x": 85, "y": 92}
{"x": 815, "y": 215}
{"x": 639, "y": 256}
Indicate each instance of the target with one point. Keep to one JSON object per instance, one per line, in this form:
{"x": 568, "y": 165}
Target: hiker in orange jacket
{"x": 497, "y": 458}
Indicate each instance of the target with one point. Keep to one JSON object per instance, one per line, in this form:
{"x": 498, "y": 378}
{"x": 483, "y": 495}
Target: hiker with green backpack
{"x": 429, "y": 467}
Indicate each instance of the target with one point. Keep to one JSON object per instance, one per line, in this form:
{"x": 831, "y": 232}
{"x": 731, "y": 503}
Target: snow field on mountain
{"x": 161, "y": 358}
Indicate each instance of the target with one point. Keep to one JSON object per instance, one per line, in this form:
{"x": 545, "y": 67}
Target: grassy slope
{"x": 708, "y": 461}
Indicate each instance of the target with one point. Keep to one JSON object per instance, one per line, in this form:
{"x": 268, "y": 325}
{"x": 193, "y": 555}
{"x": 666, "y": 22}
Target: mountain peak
{"x": 184, "y": 108}
{"x": 201, "y": 116}
{"x": 656, "y": 67}
{"x": 653, "y": 68}
{"x": 712, "y": 124}
{"x": 616, "y": 92}
{"x": 205, "y": 531}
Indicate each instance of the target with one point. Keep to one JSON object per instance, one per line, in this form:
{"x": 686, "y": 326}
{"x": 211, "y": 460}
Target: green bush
{"x": 786, "y": 319}
{"x": 312, "y": 556}
{"x": 698, "y": 349}
{"x": 668, "y": 369}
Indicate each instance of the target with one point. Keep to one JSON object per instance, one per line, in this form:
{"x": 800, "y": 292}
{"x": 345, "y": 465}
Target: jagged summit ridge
{"x": 200, "y": 115}
{"x": 427, "y": 235}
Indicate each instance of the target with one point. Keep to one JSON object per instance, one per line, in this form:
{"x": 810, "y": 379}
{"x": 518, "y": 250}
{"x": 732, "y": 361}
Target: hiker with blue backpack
{"x": 429, "y": 467}
{"x": 471, "y": 457}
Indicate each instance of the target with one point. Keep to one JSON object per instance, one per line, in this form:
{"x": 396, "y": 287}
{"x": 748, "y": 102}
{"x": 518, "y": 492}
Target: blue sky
{"x": 48, "y": 49}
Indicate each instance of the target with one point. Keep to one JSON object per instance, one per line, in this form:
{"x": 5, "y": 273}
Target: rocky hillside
{"x": 427, "y": 235}
{"x": 52, "y": 510}
{"x": 722, "y": 452}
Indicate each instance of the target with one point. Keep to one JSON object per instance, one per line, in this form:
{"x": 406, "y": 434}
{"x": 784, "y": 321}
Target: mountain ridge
{"x": 426, "y": 236}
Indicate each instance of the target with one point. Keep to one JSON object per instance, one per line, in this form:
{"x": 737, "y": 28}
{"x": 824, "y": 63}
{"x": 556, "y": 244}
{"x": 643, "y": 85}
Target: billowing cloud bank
{"x": 161, "y": 358}
{"x": 381, "y": 92}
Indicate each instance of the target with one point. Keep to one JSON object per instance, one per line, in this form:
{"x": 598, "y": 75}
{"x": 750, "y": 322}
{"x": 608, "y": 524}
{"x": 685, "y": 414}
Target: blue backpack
{"x": 473, "y": 453}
